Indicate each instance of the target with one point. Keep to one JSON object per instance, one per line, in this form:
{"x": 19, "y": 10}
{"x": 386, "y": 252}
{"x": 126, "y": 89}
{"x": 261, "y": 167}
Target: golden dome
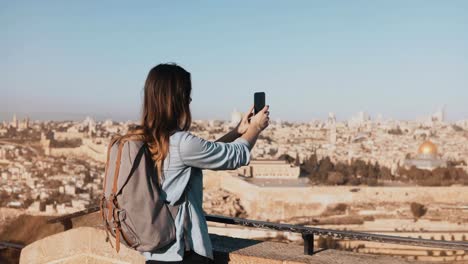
{"x": 427, "y": 148}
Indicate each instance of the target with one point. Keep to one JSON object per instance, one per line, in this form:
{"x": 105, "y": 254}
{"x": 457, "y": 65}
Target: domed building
{"x": 427, "y": 149}
{"x": 427, "y": 157}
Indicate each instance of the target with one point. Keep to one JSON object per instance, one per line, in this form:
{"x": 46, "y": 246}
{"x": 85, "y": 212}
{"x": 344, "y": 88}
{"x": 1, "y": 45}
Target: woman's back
{"x": 187, "y": 156}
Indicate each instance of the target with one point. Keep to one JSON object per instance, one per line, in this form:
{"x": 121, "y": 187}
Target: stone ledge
{"x": 87, "y": 245}
{"x": 236, "y": 250}
{"x": 78, "y": 245}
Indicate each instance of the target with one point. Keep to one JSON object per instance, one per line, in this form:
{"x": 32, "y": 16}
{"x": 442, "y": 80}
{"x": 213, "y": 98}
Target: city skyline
{"x": 402, "y": 60}
{"x": 76, "y": 117}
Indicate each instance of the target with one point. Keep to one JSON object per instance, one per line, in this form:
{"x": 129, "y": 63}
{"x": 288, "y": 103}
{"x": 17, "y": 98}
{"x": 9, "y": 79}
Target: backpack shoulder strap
{"x": 118, "y": 160}
{"x": 136, "y": 163}
{"x": 111, "y": 143}
{"x": 103, "y": 198}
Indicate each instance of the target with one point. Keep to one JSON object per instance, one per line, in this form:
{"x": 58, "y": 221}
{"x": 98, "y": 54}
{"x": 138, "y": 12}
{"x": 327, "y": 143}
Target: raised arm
{"x": 239, "y": 130}
{"x": 197, "y": 152}
{"x": 230, "y": 136}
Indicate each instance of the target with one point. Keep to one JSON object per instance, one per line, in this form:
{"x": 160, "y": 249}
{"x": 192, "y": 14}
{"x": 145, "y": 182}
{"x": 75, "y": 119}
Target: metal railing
{"x": 5, "y": 244}
{"x": 307, "y": 233}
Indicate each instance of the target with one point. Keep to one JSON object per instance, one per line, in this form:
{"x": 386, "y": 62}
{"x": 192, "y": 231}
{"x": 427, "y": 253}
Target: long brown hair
{"x": 165, "y": 108}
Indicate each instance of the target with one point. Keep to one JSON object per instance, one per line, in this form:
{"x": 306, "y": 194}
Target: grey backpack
{"x": 131, "y": 205}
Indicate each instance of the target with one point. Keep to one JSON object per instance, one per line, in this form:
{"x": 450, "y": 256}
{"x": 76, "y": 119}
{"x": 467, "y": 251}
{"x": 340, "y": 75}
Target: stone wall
{"x": 88, "y": 149}
{"x": 274, "y": 203}
{"x": 269, "y": 169}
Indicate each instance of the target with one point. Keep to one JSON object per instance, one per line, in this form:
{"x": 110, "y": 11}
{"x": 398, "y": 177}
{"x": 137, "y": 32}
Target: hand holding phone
{"x": 259, "y": 102}
{"x": 263, "y": 119}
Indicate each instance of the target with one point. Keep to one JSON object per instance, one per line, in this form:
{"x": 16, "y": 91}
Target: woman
{"x": 181, "y": 156}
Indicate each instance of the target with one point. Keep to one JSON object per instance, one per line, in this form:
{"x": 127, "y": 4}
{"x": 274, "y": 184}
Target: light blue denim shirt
{"x": 188, "y": 155}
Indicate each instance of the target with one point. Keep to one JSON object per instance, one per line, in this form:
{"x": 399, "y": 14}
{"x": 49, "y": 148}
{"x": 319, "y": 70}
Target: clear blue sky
{"x": 403, "y": 59}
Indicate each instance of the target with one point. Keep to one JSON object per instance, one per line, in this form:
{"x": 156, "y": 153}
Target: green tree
{"x": 418, "y": 210}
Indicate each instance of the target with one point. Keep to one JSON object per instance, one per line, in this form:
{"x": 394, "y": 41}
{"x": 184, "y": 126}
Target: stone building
{"x": 273, "y": 169}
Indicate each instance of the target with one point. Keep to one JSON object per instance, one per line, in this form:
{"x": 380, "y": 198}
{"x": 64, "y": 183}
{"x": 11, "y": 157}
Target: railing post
{"x": 308, "y": 244}
{"x": 67, "y": 224}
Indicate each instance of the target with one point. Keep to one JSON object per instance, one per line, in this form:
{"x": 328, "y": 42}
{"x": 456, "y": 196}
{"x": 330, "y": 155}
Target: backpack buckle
{"x": 115, "y": 214}
{"x": 121, "y": 214}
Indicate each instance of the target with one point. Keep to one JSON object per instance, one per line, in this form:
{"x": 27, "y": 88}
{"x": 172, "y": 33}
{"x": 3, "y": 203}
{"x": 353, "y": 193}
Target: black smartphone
{"x": 259, "y": 102}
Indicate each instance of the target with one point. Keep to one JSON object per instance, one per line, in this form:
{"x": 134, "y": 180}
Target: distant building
{"x": 462, "y": 123}
{"x": 108, "y": 123}
{"x": 379, "y": 119}
{"x": 15, "y": 204}
{"x": 360, "y": 119}
{"x": 236, "y": 117}
{"x": 14, "y": 122}
{"x": 46, "y": 139}
{"x": 70, "y": 189}
{"x": 24, "y": 124}
{"x": 270, "y": 169}
{"x": 331, "y": 123}
{"x": 439, "y": 116}
{"x": 90, "y": 124}
{"x": 427, "y": 157}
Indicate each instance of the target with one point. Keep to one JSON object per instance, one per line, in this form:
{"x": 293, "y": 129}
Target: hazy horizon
{"x": 401, "y": 59}
{"x": 51, "y": 116}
